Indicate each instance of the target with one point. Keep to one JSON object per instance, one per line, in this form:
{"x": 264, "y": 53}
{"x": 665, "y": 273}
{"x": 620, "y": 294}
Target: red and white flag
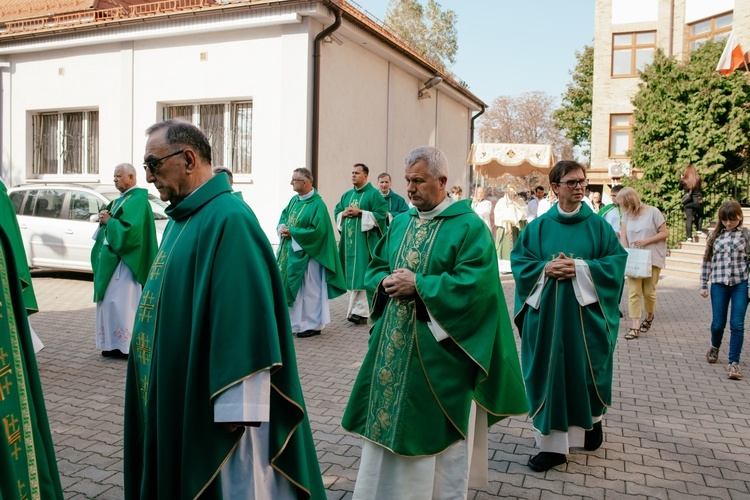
{"x": 732, "y": 57}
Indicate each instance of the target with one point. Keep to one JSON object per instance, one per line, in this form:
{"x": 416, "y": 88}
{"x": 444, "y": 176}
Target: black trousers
{"x": 693, "y": 215}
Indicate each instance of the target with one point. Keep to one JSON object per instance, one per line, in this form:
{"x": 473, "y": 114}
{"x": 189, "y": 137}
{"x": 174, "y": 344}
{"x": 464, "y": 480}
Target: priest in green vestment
{"x": 361, "y": 217}
{"x": 28, "y": 468}
{"x": 213, "y": 402}
{"x": 225, "y": 170}
{"x": 308, "y": 258}
{"x": 568, "y": 266}
{"x": 396, "y": 204}
{"x": 441, "y": 366}
{"x": 121, "y": 257}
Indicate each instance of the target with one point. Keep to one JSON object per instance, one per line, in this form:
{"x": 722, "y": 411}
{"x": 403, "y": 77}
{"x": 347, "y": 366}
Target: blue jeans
{"x": 721, "y": 296}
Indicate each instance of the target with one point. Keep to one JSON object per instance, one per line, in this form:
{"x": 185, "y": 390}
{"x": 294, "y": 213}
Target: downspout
{"x": 473, "y": 119}
{"x": 316, "y": 93}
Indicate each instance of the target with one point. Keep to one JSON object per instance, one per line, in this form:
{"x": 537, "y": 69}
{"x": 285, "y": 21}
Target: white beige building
{"x": 82, "y": 80}
{"x": 626, "y": 34}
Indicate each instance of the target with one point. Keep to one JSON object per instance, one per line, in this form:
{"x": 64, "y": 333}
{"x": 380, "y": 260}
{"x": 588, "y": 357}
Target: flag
{"x": 732, "y": 57}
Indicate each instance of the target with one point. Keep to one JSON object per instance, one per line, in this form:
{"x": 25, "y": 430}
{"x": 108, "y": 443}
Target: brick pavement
{"x": 678, "y": 427}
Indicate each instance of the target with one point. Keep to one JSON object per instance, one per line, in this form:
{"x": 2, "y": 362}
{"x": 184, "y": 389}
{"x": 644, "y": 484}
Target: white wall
{"x": 635, "y": 11}
{"x": 695, "y": 10}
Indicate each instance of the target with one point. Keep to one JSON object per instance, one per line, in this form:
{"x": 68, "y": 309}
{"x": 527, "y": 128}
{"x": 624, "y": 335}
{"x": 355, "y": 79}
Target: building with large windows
{"x": 276, "y": 85}
{"x": 626, "y": 35}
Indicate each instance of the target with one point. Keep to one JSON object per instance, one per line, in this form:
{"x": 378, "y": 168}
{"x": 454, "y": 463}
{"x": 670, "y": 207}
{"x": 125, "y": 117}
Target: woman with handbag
{"x": 692, "y": 200}
{"x": 725, "y": 264}
{"x": 643, "y": 227}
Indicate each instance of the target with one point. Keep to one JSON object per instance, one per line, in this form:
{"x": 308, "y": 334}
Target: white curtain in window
{"x": 242, "y": 137}
{"x": 45, "y": 144}
{"x": 72, "y": 143}
{"x": 212, "y": 124}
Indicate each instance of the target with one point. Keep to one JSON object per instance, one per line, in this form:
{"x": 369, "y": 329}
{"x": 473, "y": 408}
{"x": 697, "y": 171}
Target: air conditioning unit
{"x": 618, "y": 169}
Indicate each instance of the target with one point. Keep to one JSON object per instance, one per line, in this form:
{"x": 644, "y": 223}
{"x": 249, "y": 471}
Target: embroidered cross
{"x": 21, "y": 487}
{"x": 3, "y": 355}
{"x": 12, "y": 434}
{"x": 157, "y": 266}
{"x": 144, "y": 389}
{"x": 146, "y": 307}
{"x": 5, "y": 371}
{"x": 142, "y": 346}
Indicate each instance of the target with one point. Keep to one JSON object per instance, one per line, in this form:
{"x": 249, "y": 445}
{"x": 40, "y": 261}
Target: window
{"x": 84, "y": 205}
{"x": 49, "y": 203}
{"x": 620, "y": 135}
{"x": 66, "y": 143}
{"x": 228, "y": 127}
{"x": 715, "y": 28}
{"x": 631, "y": 52}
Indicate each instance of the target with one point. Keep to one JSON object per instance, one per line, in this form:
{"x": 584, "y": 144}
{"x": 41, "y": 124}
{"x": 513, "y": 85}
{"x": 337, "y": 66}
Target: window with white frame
{"x": 229, "y": 128}
{"x": 66, "y": 143}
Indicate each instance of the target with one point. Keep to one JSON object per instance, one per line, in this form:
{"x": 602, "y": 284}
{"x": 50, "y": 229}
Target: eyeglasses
{"x": 153, "y": 165}
{"x": 298, "y": 180}
{"x": 572, "y": 184}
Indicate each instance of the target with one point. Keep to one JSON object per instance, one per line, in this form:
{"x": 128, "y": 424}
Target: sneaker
{"x": 734, "y": 371}
{"x": 712, "y": 356}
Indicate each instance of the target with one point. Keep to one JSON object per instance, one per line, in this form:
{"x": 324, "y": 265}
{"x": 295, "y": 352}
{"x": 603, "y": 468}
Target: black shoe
{"x": 114, "y": 353}
{"x": 546, "y": 460}
{"x": 593, "y": 439}
{"x": 357, "y": 319}
{"x": 621, "y": 314}
{"x": 308, "y": 333}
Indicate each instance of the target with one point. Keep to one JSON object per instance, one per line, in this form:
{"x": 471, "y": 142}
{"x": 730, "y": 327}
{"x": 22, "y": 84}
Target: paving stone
{"x": 677, "y": 427}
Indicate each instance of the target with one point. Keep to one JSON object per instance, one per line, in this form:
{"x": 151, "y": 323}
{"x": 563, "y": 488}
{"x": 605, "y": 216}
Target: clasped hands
{"x": 104, "y": 216}
{"x": 284, "y": 232}
{"x": 561, "y": 268}
{"x": 400, "y": 284}
{"x": 351, "y": 212}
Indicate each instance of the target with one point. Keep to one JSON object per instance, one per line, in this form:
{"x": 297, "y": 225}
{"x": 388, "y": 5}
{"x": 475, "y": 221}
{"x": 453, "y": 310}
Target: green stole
{"x": 310, "y": 226}
{"x": 27, "y": 459}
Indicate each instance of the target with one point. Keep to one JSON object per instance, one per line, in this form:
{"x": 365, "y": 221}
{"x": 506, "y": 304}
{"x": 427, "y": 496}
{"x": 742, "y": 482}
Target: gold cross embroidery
{"x": 157, "y": 266}
{"x": 3, "y": 355}
{"x": 142, "y": 346}
{"x": 21, "y": 493}
{"x": 12, "y": 434}
{"x": 144, "y": 390}
{"x": 146, "y": 307}
{"x": 5, "y": 371}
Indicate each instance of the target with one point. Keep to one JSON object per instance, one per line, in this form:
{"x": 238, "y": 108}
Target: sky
{"x": 508, "y": 47}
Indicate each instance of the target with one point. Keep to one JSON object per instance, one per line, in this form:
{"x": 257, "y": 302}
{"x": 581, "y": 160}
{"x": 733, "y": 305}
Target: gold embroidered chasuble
{"x": 413, "y": 394}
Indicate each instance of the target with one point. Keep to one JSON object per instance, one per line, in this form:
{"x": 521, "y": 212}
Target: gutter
{"x": 316, "y": 94}
{"x": 473, "y": 119}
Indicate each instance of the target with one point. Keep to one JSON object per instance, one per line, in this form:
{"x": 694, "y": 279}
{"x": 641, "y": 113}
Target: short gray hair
{"x": 225, "y": 170}
{"x": 304, "y": 172}
{"x": 128, "y": 169}
{"x": 437, "y": 162}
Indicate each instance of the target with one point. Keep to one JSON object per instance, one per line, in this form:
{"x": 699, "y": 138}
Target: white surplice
{"x": 115, "y": 313}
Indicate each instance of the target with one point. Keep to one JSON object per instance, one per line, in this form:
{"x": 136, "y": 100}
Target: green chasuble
{"x": 413, "y": 394}
{"x": 607, "y": 208}
{"x": 567, "y": 349}
{"x": 213, "y": 313}
{"x": 9, "y": 222}
{"x": 28, "y": 469}
{"x": 310, "y": 226}
{"x": 131, "y": 236}
{"x": 356, "y": 247}
{"x": 396, "y": 204}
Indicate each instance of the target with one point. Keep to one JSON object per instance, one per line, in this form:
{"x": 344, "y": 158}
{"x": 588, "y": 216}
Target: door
{"x": 78, "y": 232}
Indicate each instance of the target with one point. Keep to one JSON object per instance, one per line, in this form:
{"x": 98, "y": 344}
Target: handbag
{"x": 687, "y": 198}
{"x": 638, "y": 264}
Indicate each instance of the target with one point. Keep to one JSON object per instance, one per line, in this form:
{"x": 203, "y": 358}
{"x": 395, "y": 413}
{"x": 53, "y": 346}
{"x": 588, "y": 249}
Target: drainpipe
{"x": 473, "y": 119}
{"x": 316, "y": 93}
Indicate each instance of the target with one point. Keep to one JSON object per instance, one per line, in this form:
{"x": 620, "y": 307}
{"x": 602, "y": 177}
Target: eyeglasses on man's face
{"x": 153, "y": 165}
{"x": 573, "y": 183}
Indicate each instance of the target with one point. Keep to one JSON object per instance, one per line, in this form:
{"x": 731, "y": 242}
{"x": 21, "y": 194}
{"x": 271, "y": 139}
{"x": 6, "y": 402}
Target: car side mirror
{"x": 94, "y": 218}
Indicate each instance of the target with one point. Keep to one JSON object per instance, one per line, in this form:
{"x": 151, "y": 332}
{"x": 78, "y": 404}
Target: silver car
{"x": 58, "y": 222}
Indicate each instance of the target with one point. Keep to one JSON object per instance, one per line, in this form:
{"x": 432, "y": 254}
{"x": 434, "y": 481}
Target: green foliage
{"x": 429, "y": 30}
{"x": 687, "y": 112}
{"x": 574, "y": 114}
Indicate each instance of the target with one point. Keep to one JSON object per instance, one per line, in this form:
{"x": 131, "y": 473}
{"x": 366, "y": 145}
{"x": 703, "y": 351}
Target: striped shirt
{"x": 729, "y": 262}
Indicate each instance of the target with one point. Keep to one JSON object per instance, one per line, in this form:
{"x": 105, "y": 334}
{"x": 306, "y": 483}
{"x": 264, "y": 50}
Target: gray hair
{"x": 437, "y": 162}
{"x": 180, "y": 131}
{"x": 128, "y": 169}
{"x": 304, "y": 172}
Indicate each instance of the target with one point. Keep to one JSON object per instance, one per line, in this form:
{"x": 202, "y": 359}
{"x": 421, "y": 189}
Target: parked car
{"x": 58, "y": 222}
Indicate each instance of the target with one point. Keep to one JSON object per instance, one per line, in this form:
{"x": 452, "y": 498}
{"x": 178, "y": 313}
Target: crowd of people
{"x": 211, "y": 412}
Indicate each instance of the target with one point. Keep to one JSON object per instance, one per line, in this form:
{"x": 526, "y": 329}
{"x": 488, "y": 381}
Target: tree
{"x": 526, "y": 119}
{"x": 687, "y": 112}
{"x": 430, "y": 31}
{"x": 574, "y": 114}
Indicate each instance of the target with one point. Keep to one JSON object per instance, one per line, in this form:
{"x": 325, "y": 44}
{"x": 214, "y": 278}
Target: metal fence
{"x": 730, "y": 185}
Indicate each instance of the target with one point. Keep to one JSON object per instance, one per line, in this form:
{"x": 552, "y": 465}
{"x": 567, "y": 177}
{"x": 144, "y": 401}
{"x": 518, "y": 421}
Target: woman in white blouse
{"x": 642, "y": 227}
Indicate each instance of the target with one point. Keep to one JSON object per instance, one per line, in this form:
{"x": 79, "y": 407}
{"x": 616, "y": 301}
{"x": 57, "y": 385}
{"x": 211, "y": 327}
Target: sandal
{"x": 646, "y": 325}
{"x": 632, "y": 334}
